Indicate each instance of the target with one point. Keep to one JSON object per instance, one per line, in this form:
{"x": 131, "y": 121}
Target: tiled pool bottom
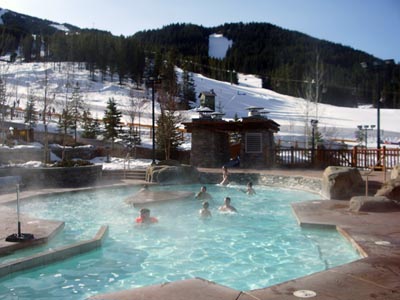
{"x": 233, "y": 250}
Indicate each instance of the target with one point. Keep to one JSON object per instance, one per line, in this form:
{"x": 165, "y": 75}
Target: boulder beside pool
{"x": 146, "y": 196}
{"x": 372, "y": 204}
{"x": 171, "y": 172}
{"x": 341, "y": 183}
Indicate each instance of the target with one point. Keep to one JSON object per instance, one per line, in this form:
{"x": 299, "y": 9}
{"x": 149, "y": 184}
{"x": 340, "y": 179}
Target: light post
{"x": 378, "y": 120}
{"x": 153, "y": 123}
{"x": 364, "y": 132}
{"x": 108, "y": 154}
{"x": 153, "y": 80}
{"x": 379, "y": 66}
{"x": 314, "y": 124}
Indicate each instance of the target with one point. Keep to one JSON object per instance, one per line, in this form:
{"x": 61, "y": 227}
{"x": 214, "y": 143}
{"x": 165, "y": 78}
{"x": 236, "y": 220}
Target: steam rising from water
{"x": 260, "y": 245}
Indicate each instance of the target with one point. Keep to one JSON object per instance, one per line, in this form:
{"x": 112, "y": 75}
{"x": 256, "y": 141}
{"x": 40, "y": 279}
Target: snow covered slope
{"x": 290, "y": 112}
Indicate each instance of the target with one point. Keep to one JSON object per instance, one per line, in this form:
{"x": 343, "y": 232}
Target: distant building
{"x": 207, "y": 99}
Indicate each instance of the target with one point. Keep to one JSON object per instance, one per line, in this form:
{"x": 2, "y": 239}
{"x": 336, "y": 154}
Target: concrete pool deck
{"x": 375, "y": 235}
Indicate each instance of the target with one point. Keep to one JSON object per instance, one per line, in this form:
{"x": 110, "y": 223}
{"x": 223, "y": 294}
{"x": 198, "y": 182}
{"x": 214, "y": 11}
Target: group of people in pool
{"x": 145, "y": 218}
{"x": 226, "y": 207}
{"x": 225, "y": 181}
{"x": 205, "y": 196}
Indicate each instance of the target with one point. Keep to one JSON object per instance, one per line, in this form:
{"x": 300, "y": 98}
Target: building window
{"x": 253, "y": 143}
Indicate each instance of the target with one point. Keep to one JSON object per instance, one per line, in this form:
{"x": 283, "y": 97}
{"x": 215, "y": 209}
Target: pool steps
{"x": 54, "y": 255}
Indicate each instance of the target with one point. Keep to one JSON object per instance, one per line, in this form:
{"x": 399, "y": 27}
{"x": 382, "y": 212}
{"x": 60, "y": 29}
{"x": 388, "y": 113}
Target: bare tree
{"x": 30, "y": 118}
{"x": 46, "y": 103}
{"x": 4, "y": 104}
{"x": 312, "y": 94}
{"x": 134, "y": 108}
{"x": 76, "y": 108}
{"x": 3, "y": 109}
{"x": 65, "y": 123}
{"x": 319, "y": 75}
{"x": 167, "y": 133}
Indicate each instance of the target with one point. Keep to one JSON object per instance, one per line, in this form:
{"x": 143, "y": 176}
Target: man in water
{"x": 205, "y": 212}
{"x": 227, "y": 206}
{"x": 203, "y": 195}
{"x": 145, "y": 218}
{"x": 250, "y": 190}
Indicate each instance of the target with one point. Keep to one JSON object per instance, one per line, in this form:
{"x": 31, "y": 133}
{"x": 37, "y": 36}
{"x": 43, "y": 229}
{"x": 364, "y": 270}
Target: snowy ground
{"x": 293, "y": 114}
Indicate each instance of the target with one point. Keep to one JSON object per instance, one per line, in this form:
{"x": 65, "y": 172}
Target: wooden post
{"x": 383, "y": 157}
{"x": 292, "y": 155}
{"x": 354, "y": 157}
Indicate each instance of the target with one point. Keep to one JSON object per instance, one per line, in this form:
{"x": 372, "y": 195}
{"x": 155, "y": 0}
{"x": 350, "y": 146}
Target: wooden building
{"x": 211, "y": 141}
{"x": 207, "y": 99}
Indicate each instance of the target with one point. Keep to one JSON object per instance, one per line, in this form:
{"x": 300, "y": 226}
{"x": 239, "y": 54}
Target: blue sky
{"x": 372, "y": 26}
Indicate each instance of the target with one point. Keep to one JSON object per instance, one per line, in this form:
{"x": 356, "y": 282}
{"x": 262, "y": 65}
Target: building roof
{"x": 250, "y": 123}
{"x": 207, "y": 94}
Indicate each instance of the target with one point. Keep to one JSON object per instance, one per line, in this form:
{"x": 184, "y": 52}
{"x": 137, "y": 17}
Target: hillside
{"x": 288, "y": 62}
{"x": 293, "y": 114}
{"x": 33, "y": 25}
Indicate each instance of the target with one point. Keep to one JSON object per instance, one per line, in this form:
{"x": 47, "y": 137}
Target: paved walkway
{"x": 375, "y": 277}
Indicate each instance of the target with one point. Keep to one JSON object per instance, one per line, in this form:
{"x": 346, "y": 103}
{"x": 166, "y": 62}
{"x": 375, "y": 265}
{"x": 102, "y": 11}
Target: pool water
{"x": 259, "y": 246}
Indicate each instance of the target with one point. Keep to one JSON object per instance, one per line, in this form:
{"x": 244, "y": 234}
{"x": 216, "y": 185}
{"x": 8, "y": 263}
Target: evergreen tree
{"x": 65, "y": 123}
{"x": 27, "y": 45}
{"x": 91, "y": 126}
{"x": 121, "y": 58}
{"x": 111, "y": 120}
{"x": 168, "y": 75}
{"x": 135, "y": 61}
{"x": 37, "y": 47}
{"x": 30, "y": 118}
{"x": 187, "y": 90}
{"x": 168, "y": 137}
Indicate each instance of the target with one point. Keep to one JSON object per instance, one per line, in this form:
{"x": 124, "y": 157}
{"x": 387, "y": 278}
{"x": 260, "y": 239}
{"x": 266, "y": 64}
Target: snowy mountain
{"x": 28, "y": 24}
{"x": 293, "y": 114}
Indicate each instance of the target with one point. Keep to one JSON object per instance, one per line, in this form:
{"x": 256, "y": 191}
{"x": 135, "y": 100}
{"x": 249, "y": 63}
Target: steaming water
{"x": 259, "y": 246}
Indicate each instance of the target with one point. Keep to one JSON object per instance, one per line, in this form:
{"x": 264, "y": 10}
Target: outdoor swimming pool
{"x": 259, "y": 246}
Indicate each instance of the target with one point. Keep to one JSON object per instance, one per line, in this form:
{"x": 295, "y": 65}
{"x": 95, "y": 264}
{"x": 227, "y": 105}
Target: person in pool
{"x": 203, "y": 195}
{"x": 225, "y": 175}
{"x": 227, "y": 207}
{"x": 249, "y": 190}
{"x": 205, "y": 212}
{"x": 145, "y": 217}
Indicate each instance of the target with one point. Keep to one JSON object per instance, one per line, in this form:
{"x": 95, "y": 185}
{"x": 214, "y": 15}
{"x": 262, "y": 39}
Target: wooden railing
{"x": 320, "y": 158}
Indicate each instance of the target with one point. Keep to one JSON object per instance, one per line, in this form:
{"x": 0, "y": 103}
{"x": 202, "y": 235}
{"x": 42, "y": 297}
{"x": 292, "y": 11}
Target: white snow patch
{"x": 60, "y": 27}
{"x": 218, "y": 45}
{"x": 249, "y": 80}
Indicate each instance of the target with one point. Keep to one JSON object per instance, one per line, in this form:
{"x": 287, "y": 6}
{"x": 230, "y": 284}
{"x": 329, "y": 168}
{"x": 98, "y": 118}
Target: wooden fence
{"x": 321, "y": 158}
